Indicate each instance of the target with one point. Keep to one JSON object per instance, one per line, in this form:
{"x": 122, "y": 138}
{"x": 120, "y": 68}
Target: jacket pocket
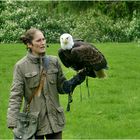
{"x": 32, "y": 79}
{"x": 60, "y": 116}
{"x": 52, "y": 76}
{"x": 51, "y": 71}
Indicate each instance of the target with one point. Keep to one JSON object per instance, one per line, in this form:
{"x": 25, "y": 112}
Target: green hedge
{"x": 96, "y": 27}
{"x": 89, "y": 25}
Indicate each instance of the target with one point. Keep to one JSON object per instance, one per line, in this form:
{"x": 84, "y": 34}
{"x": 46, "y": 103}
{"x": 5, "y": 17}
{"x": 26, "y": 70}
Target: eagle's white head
{"x": 66, "y": 41}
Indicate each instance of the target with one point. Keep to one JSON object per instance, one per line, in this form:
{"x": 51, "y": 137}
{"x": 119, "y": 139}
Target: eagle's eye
{"x": 67, "y": 38}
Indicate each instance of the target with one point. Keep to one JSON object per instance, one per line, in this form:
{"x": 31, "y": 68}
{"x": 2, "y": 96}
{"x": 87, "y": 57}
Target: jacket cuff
{"x": 11, "y": 122}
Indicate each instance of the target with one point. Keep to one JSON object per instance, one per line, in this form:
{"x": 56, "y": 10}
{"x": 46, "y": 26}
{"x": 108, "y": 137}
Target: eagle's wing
{"x": 64, "y": 56}
{"x": 89, "y": 56}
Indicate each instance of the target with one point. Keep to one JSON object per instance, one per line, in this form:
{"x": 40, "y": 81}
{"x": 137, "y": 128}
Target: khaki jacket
{"x": 25, "y": 80}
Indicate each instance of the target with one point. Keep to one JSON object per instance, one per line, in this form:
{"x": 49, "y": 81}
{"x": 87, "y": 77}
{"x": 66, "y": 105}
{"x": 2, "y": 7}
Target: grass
{"x": 111, "y": 112}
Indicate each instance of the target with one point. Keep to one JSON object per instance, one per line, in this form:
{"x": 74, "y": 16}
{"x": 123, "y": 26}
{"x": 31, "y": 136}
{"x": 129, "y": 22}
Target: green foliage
{"x": 95, "y": 27}
{"x": 16, "y": 18}
{"x": 133, "y": 31}
{"x": 74, "y": 6}
{"x": 89, "y": 20}
{"x": 111, "y": 112}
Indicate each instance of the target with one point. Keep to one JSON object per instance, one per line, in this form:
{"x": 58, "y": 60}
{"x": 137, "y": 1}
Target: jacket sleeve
{"x": 60, "y": 78}
{"x": 16, "y": 96}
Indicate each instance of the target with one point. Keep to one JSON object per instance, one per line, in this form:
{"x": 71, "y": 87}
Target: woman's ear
{"x": 29, "y": 45}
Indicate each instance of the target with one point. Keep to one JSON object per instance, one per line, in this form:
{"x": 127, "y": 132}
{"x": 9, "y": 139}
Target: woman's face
{"x": 38, "y": 45}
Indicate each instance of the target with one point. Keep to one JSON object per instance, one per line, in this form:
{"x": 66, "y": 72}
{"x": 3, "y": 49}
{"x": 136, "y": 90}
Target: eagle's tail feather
{"x": 101, "y": 73}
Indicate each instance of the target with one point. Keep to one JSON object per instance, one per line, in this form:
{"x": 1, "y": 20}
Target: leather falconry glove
{"x": 69, "y": 85}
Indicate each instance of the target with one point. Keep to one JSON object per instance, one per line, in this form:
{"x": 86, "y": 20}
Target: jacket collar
{"x": 35, "y": 59}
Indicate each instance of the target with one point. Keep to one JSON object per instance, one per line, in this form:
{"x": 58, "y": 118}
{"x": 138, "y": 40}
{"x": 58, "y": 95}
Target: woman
{"x": 26, "y": 78}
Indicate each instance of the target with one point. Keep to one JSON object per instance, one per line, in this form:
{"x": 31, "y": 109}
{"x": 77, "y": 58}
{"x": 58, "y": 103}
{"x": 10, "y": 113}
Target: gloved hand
{"x": 69, "y": 85}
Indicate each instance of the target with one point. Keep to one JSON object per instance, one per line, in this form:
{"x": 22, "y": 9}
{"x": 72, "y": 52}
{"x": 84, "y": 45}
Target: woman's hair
{"x": 29, "y": 36}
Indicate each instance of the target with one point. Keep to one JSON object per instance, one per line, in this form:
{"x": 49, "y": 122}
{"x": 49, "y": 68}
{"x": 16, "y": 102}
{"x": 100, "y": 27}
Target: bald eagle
{"x": 80, "y": 55}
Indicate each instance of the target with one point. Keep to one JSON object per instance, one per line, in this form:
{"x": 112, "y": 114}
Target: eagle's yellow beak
{"x": 65, "y": 41}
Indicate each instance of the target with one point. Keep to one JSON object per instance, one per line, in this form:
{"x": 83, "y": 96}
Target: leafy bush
{"x": 21, "y": 18}
{"x": 90, "y": 25}
{"x": 95, "y": 27}
{"x": 133, "y": 31}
